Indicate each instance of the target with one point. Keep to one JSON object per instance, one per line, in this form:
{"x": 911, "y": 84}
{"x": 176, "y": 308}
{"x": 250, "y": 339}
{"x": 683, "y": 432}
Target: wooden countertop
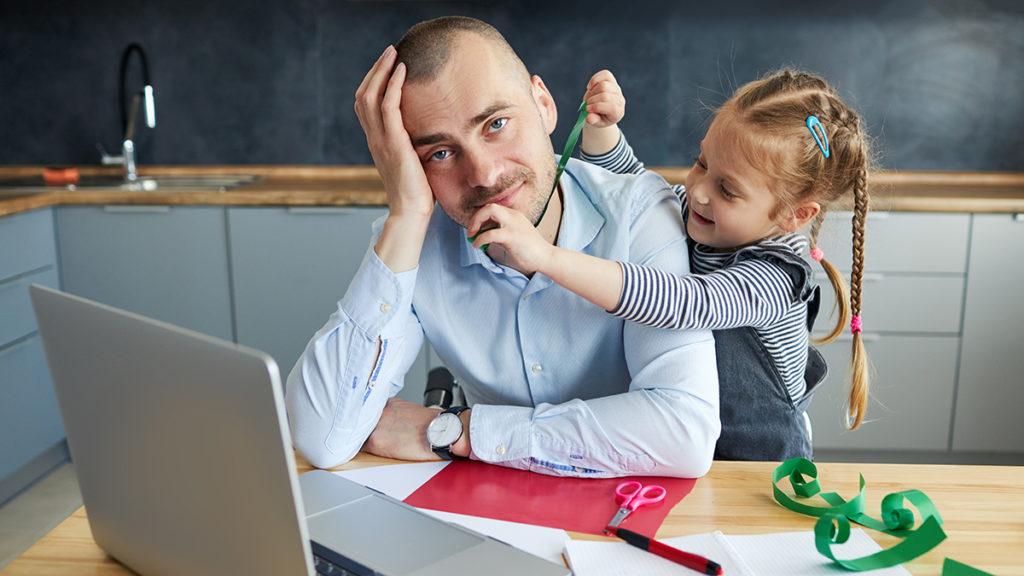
{"x": 991, "y": 192}
{"x": 982, "y": 508}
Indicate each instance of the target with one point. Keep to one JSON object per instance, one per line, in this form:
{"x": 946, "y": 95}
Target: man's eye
{"x": 498, "y": 124}
{"x": 440, "y": 154}
{"x": 699, "y": 162}
{"x": 728, "y": 195}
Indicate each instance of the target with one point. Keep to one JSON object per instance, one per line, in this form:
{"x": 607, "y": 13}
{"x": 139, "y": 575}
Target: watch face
{"x": 444, "y": 430}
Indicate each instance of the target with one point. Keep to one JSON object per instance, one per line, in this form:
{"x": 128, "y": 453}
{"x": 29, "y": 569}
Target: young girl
{"x": 777, "y": 154}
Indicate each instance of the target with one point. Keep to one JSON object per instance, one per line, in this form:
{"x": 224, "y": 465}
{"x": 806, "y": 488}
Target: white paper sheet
{"x": 787, "y": 553}
{"x": 781, "y": 554}
{"x": 395, "y": 480}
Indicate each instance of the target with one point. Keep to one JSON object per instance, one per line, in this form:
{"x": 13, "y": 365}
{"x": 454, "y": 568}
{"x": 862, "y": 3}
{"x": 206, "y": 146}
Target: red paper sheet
{"x": 577, "y": 504}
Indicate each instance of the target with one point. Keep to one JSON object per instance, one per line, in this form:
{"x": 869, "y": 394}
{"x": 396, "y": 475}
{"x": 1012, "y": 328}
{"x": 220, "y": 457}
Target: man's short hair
{"x": 426, "y": 47}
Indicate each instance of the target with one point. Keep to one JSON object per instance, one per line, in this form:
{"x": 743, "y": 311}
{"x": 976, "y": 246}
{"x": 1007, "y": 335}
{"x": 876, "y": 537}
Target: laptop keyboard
{"x": 330, "y": 563}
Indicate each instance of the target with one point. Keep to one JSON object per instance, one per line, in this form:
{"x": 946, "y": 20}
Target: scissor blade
{"x": 619, "y": 517}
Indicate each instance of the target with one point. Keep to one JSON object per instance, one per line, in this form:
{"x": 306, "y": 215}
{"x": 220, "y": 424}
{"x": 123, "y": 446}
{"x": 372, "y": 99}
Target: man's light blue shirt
{"x": 557, "y": 385}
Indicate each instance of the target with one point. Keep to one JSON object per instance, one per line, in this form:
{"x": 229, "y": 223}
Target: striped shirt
{"x": 764, "y": 286}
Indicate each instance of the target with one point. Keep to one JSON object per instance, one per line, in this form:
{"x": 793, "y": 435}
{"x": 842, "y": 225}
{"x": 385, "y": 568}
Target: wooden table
{"x": 983, "y": 509}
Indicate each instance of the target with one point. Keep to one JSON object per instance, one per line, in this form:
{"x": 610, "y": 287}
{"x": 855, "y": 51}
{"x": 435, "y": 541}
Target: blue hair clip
{"x": 818, "y": 132}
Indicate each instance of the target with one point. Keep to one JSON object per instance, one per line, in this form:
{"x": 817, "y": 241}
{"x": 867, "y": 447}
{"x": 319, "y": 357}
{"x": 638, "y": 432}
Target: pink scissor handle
{"x": 633, "y": 494}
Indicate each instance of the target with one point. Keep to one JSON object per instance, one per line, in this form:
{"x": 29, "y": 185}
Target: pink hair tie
{"x": 855, "y": 325}
{"x": 817, "y": 254}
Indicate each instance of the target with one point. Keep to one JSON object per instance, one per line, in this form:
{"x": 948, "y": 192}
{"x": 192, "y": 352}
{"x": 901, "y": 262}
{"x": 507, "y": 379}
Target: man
{"x": 556, "y": 385}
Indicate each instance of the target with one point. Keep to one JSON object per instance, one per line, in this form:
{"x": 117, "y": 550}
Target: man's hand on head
{"x": 401, "y": 432}
{"x": 410, "y": 199}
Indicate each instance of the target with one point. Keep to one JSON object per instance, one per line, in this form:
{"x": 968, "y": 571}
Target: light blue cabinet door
{"x": 911, "y": 394}
{"x": 990, "y": 392}
{"x": 169, "y": 263}
{"x": 31, "y": 434}
{"x": 290, "y": 267}
{"x": 30, "y": 422}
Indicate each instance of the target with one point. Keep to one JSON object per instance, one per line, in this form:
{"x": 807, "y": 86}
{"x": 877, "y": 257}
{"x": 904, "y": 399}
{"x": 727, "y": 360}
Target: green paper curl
{"x": 897, "y": 519}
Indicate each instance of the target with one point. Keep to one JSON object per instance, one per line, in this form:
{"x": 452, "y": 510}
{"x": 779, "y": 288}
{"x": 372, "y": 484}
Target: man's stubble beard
{"x": 540, "y": 190}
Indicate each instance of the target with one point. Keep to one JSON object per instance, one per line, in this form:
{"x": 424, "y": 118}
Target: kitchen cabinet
{"x": 913, "y": 289}
{"x": 31, "y": 434}
{"x": 166, "y": 262}
{"x": 290, "y": 267}
{"x": 991, "y": 391}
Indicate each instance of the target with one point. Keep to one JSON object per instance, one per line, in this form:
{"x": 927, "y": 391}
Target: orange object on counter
{"x": 60, "y": 175}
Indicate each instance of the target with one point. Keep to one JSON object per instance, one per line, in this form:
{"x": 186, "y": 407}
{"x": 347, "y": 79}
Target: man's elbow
{"x": 316, "y": 452}
{"x": 695, "y": 464}
{"x": 695, "y": 435}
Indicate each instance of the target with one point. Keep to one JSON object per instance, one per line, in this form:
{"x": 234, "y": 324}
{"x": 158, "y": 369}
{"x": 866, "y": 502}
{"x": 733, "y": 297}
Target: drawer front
{"x": 911, "y": 395}
{"x": 900, "y": 242}
{"x": 26, "y": 243}
{"x": 16, "y": 317}
{"x": 30, "y": 421}
{"x": 897, "y": 303}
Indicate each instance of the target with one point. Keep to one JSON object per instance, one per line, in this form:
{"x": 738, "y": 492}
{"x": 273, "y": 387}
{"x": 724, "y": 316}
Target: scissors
{"x": 632, "y": 495}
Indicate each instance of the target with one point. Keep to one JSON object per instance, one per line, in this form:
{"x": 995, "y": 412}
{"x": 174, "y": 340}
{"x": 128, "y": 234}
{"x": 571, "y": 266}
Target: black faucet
{"x": 130, "y": 110}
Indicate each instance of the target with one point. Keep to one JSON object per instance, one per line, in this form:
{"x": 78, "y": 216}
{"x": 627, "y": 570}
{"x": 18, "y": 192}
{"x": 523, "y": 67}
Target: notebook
{"x": 746, "y": 555}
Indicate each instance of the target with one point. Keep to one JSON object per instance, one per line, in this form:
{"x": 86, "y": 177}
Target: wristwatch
{"x": 445, "y": 430}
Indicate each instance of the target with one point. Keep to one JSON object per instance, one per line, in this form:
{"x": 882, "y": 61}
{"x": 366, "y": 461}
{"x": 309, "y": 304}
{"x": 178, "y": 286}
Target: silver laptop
{"x": 185, "y": 463}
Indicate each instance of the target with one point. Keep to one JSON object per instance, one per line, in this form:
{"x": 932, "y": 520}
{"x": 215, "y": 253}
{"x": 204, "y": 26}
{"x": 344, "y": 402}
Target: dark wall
{"x": 941, "y": 84}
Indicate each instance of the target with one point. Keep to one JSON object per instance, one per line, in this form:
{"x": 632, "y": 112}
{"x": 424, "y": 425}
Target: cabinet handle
{"x": 320, "y": 210}
{"x": 147, "y": 209}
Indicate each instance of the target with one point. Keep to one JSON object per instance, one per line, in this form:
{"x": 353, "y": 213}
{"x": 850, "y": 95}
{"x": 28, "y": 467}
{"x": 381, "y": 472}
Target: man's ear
{"x": 545, "y": 103}
{"x": 800, "y": 216}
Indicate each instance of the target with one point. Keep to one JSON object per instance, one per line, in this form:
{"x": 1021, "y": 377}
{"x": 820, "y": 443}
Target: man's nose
{"x": 482, "y": 169}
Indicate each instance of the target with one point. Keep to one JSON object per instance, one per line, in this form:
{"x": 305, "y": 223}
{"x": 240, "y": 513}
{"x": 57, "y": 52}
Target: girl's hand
{"x": 514, "y": 242}
{"x": 605, "y": 103}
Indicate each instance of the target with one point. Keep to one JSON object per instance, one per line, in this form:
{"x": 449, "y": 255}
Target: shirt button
{"x": 500, "y": 449}
{"x": 526, "y": 296}
{"x": 536, "y": 368}
{"x": 385, "y": 308}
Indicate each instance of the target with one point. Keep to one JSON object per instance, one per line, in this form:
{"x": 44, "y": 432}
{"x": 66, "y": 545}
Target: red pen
{"x": 691, "y": 561}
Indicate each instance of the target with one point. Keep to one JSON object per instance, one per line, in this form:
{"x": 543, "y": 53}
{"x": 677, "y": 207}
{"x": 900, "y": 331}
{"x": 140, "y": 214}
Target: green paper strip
{"x": 570, "y": 144}
{"x": 953, "y": 568}
{"x": 835, "y": 529}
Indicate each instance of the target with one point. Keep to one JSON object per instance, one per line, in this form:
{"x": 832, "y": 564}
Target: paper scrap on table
{"x": 395, "y": 480}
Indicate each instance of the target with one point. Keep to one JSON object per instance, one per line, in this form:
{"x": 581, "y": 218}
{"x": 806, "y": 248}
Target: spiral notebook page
{"x": 588, "y": 558}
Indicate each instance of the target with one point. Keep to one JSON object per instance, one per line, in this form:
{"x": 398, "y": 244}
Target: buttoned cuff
{"x": 500, "y": 434}
{"x": 378, "y": 300}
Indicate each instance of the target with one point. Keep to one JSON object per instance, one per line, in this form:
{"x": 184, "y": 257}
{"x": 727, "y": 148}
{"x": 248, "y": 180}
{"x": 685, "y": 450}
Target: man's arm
{"x": 339, "y": 388}
{"x": 666, "y": 424}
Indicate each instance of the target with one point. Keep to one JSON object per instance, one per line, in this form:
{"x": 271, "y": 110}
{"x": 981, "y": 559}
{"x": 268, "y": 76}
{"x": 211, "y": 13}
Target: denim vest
{"x": 759, "y": 419}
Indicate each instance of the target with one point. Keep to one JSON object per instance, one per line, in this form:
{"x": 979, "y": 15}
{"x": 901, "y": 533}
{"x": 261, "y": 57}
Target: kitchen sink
{"x": 190, "y": 183}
